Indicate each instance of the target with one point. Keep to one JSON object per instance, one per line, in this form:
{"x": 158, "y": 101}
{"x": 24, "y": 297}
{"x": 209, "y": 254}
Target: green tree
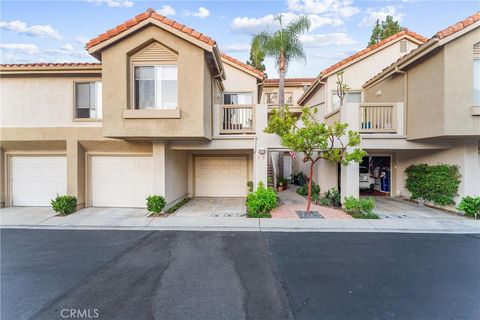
{"x": 257, "y": 56}
{"x": 284, "y": 46}
{"x": 384, "y": 29}
{"x": 307, "y": 135}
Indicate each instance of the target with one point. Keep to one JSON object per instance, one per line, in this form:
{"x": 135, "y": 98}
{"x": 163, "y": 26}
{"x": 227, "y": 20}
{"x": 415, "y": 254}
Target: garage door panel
{"x": 121, "y": 181}
{"x": 35, "y": 181}
{"x": 220, "y": 176}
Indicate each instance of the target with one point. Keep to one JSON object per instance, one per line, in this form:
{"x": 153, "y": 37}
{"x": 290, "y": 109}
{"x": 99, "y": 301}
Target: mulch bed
{"x": 309, "y": 214}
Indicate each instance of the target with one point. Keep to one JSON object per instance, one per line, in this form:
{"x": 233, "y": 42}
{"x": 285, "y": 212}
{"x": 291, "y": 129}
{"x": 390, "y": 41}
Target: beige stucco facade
{"x": 37, "y": 115}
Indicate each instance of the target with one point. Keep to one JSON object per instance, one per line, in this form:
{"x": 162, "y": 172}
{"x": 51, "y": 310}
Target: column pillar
{"x": 260, "y": 152}
{"x": 158, "y": 155}
{"x": 349, "y": 180}
{"x": 76, "y": 172}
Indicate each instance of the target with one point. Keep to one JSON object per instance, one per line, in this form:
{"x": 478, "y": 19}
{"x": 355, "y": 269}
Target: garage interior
{"x": 380, "y": 172}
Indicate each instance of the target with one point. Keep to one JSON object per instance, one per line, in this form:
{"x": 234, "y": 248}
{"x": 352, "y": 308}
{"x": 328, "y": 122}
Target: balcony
{"x": 378, "y": 118}
{"x": 235, "y": 119}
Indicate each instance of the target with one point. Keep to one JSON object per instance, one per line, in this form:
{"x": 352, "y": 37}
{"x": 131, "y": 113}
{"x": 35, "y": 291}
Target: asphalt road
{"x": 59, "y": 274}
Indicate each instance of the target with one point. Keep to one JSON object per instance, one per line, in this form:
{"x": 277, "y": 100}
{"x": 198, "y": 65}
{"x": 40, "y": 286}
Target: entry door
{"x": 35, "y": 181}
{"x": 287, "y": 167}
{"x": 220, "y": 176}
{"x": 121, "y": 181}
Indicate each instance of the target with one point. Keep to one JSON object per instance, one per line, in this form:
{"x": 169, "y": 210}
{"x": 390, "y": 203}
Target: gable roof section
{"x": 242, "y": 66}
{"x": 150, "y": 13}
{"x": 405, "y": 33}
{"x": 439, "y": 39}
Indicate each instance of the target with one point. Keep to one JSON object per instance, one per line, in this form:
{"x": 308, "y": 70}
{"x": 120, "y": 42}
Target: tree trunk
{"x": 281, "y": 85}
{"x": 309, "y": 197}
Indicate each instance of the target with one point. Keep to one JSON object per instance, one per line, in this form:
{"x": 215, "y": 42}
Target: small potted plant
{"x": 280, "y": 184}
{"x": 335, "y": 198}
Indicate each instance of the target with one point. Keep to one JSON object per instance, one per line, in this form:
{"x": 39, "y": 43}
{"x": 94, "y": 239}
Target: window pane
{"x": 144, "y": 87}
{"x": 230, "y": 98}
{"x": 244, "y": 98}
{"x": 144, "y": 73}
{"x": 82, "y": 92}
{"x": 83, "y": 113}
{"x": 169, "y": 72}
{"x": 354, "y": 97}
{"x": 335, "y": 101}
{"x": 169, "y": 94}
{"x": 476, "y": 82}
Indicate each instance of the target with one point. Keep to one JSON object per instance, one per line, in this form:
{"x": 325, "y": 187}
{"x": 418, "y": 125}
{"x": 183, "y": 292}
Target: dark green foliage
{"x": 330, "y": 198}
{"x": 64, "y": 204}
{"x": 384, "y": 29}
{"x": 303, "y": 190}
{"x": 250, "y": 186}
{"x": 177, "y": 206}
{"x": 261, "y": 202}
{"x": 257, "y": 56}
{"x": 438, "y": 183}
{"x": 360, "y": 208}
{"x": 470, "y": 206}
{"x": 299, "y": 178}
{"x": 155, "y": 203}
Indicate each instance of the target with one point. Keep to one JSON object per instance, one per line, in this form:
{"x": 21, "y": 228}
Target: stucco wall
{"x": 191, "y": 88}
{"x": 464, "y": 154}
{"x": 40, "y": 102}
{"x": 392, "y": 90}
{"x": 459, "y": 85}
{"x": 176, "y": 174}
{"x": 425, "y": 98}
{"x": 239, "y": 81}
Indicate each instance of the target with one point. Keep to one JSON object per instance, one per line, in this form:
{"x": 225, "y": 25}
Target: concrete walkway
{"x": 213, "y": 207}
{"x": 137, "y": 219}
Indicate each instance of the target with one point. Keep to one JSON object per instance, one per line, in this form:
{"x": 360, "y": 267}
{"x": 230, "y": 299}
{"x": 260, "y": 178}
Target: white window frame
{"x": 158, "y": 93}
{"x": 476, "y": 80}
{"x": 239, "y": 93}
{"x": 98, "y": 100}
{"x": 334, "y": 94}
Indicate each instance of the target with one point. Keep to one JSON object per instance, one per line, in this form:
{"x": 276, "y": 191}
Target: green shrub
{"x": 250, "y": 186}
{"x": 303, "y": 190}
{"x": 64, "y": 204}
{"x": 261, "y": 202}
{"x": 155, "y": 203}
{"x": 360, "y": 208}
{"x": 470, "y": 206}
{"x": 177, "y": 206}
{"x": 438, "y": 183}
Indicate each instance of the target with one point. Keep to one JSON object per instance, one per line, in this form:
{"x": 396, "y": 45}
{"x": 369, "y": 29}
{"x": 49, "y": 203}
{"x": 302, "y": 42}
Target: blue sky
{"x": 55, "y": 31}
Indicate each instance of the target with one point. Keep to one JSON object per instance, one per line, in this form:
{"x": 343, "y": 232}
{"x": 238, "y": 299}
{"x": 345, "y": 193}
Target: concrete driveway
{"x": 387, "y": 207}
{"x": 213, "y": 207}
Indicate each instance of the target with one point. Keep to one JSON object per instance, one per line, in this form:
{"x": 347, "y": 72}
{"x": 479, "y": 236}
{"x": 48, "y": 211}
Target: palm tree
{"x": 284, "y": 46}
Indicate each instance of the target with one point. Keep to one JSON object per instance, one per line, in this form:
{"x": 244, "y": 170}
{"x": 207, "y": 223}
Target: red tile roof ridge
{"x": 458, "y": 26}
{"x": 244, "y": 65}
{"x": 150, "y": 13}
{"x": 52, "y": 64}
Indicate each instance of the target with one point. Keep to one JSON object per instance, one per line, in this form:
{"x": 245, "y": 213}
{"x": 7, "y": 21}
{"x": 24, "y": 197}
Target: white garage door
{"x": 121, "y": 181}
{"x": 35, "y": 181}
{"x": 220, "y": 176}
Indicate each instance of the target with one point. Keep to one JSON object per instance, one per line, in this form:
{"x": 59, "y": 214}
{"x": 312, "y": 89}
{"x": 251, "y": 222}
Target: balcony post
{"x": 260, "y": 152}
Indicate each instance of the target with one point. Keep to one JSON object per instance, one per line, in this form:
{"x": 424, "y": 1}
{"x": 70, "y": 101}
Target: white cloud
{"x": 202, "y": 12}
{"x": 380, "y": 14}
{"x": 19, "y": 48}
{"x": 166, "y": 11}
{"x": 20, "y": 27}
{"x": 339, "y": 8}
{"x": 113, "y": 3}
{"x": 237, "y": 47}
{"x": 81, "y": 39}
{"x": 255, "y": 25}
{"x": 327, "y": 39}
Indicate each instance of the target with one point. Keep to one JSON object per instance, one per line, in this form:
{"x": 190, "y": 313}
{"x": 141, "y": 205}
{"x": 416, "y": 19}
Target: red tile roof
{"x": 150, "y": 13}
{"x": 51, "y": 64}
{"x": 287, "y": 80}
{"x": 457, "y": 26}
{"x": 373, "y": 47}
{"x": 244, "y": 65}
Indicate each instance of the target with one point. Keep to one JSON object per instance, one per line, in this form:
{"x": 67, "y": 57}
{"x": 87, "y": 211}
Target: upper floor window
{"x": 88, "y": 100}
{"x": 238, "y": 98}
{"x": 476, "y": 74}
{"x": 155, "y": 87}
{"x": 350, "y": 97}
{"x": 272, "y": 98}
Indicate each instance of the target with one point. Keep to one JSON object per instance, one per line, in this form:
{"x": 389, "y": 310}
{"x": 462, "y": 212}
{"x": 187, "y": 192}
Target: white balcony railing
{"x": 378, "y": 118}
{"x": 237, "y": 119}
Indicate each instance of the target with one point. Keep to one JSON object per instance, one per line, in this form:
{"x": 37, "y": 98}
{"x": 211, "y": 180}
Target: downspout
{"x": 405, "y": 98}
